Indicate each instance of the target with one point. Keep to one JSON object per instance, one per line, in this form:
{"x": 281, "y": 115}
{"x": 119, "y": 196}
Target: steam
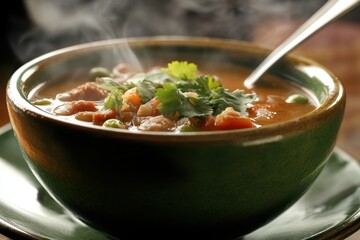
{"x": 61, "y": 23}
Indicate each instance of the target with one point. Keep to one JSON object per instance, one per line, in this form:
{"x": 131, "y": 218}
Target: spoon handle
{"x": 332, "y": 10}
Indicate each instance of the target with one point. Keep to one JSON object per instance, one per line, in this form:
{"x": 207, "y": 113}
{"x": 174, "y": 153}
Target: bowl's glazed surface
{"x": 217, "y": 185}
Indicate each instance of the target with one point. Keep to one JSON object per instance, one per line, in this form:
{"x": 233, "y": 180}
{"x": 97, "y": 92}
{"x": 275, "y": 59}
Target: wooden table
{"x": 4, "y": 75}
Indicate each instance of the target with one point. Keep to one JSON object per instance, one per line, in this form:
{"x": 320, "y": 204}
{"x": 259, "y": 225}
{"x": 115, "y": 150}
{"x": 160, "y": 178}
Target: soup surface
{"x": 178, "y": 97}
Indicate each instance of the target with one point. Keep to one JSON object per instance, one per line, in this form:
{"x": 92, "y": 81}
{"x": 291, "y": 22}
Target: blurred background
{"x": 33, "y": 27}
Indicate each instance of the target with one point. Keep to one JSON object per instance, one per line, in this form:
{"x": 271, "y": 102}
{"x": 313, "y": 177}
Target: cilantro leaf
{"x": 202, "y": 85}
{"x": 212, "y": 83}
{"x": 221, "y": 99}
{"x": 114, "y": 100}
{"x": 170, "y": 99}
{"x": 173, "y": 101}
{"x": 110, "y": 84}
{"x": 147, "y": 83}
{"x": 182, "y": 70}
{"x": 172, "y": 85}
{"x": 146, "y": 89}
{"x": 157, "y": 77}
{"x": 195, "y": 107}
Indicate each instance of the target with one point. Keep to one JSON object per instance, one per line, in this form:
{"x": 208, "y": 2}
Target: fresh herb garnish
{"x": 174, "y": 101}
{"x": 182, "y": 70}
{"x": 109, "y": 84}
{"x": 212, "y": 98}
{"x": 180, "y": 90}
{"x": 202, "y": 85}
{"x": 146, "y": 89}
{"x": 114, "y": 100}
{"x": 221, "y": 99}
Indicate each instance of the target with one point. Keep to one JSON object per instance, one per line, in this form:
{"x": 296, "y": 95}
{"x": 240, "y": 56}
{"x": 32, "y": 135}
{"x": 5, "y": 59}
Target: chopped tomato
{"x": 231, "y": 119}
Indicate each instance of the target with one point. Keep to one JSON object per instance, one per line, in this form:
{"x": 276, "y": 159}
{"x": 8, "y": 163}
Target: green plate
{"x": 329, "y": 210}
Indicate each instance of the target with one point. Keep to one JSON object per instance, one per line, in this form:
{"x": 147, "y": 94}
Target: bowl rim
{"x": 16, "y": 98}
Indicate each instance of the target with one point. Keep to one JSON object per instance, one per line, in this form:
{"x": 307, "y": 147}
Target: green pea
{"x": 99, "y": 72}
{"x": 187, "y": 128}
{"x": 114, "y": 123}
{"x": 297, "y": 98}
{"x": 42, "y": 102}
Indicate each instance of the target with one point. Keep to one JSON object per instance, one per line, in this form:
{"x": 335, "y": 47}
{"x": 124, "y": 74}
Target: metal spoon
{"x": 332, "y": 10}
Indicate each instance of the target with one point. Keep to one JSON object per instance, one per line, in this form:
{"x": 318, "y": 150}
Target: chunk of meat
{"x": 149, "y": 108}
{"x": 101, "y": 116}
{"x": 157, "y": 123}
{"x": 207, "y": 123}
{"x": 85, "y": 116}
{"x": 73, "y": 107}
{"x": 89, "y": 91}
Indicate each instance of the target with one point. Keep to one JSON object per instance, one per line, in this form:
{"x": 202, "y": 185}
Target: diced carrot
{"x": 231, "y": 119}
{"x": 131, "y": 96}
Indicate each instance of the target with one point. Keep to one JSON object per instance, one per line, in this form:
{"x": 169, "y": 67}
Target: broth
{"x": 271, "y": 102}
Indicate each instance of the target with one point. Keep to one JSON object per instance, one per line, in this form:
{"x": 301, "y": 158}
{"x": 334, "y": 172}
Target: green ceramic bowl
{"x": 210, "y": 185}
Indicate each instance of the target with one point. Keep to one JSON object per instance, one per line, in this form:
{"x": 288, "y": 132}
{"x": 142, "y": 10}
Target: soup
{"x": 176, "y": 97}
